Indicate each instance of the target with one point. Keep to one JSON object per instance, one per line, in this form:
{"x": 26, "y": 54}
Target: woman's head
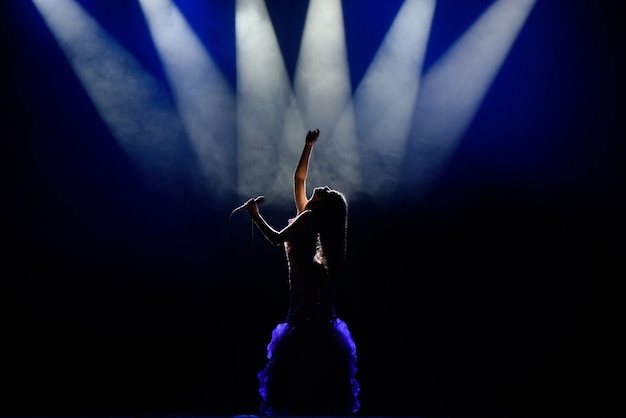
{"x": 328, "y": 203}
{"x": 331, "y": 209}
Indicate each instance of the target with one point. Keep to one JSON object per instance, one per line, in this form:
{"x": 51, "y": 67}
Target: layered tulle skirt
{"x": 310, "y": 370}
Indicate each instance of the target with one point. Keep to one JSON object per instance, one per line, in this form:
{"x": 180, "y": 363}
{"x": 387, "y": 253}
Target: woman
{"x": 311, "y": 356}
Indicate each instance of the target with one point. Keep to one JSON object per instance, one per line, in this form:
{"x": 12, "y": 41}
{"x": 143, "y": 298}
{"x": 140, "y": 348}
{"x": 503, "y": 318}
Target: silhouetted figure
{"x": 311, "y": 356}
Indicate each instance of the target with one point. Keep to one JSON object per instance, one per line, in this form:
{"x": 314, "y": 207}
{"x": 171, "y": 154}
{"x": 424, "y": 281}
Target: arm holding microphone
{"x": 302, "y": 221}
{"x": 252, "y": 205}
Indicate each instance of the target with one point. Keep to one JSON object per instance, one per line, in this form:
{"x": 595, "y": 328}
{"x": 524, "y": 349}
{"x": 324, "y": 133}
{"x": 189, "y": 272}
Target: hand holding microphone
{"x": 251, "y": 205}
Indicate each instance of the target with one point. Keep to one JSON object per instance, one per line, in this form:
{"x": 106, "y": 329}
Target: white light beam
{"x": 204, "y": 100}
{"x": 385, "y": 98}
{"x": 134, "y": 106}
{"x": 268, "y": 119}
{"x": 323, "y": 90}
{"x": 453, "y": 89}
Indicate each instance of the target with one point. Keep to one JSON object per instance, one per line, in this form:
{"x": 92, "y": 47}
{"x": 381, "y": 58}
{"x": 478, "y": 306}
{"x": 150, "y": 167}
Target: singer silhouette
{"x": 311, "y": 363}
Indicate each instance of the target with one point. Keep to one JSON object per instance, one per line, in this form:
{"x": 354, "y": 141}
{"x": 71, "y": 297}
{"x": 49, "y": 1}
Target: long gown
{"x": 312, "y": 358}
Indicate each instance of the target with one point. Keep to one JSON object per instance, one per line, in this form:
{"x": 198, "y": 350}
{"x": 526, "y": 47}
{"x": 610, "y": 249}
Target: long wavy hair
{"x": 332, "y": 213}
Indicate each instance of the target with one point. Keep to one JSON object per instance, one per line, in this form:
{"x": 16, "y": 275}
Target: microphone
{"x": 258, "y": 200}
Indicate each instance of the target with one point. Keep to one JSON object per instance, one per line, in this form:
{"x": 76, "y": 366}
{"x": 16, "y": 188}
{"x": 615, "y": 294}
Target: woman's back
{"x": 310, "y": 285}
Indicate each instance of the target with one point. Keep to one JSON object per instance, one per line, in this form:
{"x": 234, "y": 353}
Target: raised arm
{"x": 299, "y": 177}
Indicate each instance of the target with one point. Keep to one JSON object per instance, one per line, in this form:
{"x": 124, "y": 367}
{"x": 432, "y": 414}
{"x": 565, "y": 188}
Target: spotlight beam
{"x": 134, "y": 106}
{"x": 322, "y": 86}
{"x": 453, "y": 89}
{"x": 204, "y": 100}
{"x": 385, "y": 99}
{"x": 268, "y": 119}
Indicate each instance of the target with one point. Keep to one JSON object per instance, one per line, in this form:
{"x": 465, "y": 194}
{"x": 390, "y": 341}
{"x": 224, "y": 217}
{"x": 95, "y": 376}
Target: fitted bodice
{"x": 311, "y": 289}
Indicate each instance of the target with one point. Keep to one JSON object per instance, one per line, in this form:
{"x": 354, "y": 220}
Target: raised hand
{"x": 311, "y": 136}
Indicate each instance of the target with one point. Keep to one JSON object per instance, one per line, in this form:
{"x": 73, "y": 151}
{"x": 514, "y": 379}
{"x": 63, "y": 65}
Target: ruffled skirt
{"x": 310, "y": 370}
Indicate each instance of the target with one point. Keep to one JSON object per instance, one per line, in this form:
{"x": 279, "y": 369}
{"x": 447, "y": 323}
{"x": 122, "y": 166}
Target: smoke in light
{"x": 268, "y": 119}
{"x": 273, "y": 118}
{"x": 385, "y": 98}
{"x": 323, "y": 89}
{"x": 135, "y": 107}
{"x": 453, "y": 90}
{"x": 203, "y": 98}
{"x": 249, "y": 143}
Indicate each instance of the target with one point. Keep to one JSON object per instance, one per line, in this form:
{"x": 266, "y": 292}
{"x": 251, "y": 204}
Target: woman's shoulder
{"x": 302, "y": 215}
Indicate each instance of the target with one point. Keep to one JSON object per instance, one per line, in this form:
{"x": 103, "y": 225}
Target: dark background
{"x": 497, "y": 295}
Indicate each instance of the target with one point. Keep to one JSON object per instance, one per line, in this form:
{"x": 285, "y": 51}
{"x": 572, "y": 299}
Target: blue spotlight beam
{"x": 273, "y": 118}
{"x": 453, "y": 89}
{"x": 134, "y": 105}
{"x": 385, "y": 99}
{"x": 323, "y": 89}
{"x": 204, "y": 100}
{"x": 268, "y": 118}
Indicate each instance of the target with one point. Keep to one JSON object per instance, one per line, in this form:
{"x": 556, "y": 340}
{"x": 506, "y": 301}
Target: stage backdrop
{"x": 480, "y": 146}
